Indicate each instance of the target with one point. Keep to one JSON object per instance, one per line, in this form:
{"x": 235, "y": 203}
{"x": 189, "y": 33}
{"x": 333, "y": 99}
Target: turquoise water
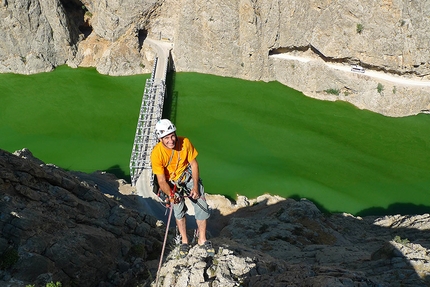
{"x": 265, "y": 137}
{"x": 253, "y": 137}
{"x": 74, "y": 118}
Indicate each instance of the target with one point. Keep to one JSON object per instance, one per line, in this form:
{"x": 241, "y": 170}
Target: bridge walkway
{"x": 151, "y": 111}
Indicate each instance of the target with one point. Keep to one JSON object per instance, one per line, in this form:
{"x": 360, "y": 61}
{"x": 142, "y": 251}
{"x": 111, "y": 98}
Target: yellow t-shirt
{"x": 183, "y": 153}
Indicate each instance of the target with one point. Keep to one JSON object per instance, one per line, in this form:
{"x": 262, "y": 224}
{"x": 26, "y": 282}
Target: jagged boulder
{"x": 236, "y": 264}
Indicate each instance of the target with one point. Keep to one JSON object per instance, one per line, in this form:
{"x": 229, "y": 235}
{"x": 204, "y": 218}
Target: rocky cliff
{"x": 90, "y": 230}
{"x": 235, "y": 39}
{"x": 56, "y": 227}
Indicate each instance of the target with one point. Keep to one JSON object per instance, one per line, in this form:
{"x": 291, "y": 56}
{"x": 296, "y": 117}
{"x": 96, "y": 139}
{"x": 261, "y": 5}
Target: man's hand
{"x": 194, "y": 193}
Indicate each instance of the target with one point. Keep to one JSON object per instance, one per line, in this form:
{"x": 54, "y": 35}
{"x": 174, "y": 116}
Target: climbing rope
{"x": 172, "y": 193}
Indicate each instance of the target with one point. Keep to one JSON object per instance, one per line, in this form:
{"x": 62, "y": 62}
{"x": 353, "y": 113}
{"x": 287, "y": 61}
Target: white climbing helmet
{"x": 164, "y": 127}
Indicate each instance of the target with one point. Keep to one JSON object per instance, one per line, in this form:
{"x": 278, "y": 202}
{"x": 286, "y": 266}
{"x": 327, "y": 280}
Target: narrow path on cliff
{"x": 373, "y": 74}
{"x": 162, "y": 49}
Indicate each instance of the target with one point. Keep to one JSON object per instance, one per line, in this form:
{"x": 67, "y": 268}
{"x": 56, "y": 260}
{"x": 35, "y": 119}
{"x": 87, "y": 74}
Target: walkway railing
{"x": 151, "y": 111}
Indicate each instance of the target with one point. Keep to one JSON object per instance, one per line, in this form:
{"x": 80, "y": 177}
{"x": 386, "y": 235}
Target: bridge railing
{"x": 151, "y": 111}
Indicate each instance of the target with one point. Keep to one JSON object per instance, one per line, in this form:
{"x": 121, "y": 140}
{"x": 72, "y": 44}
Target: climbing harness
{"x": 184, "y": 191}
{"x": 172, "y": 192}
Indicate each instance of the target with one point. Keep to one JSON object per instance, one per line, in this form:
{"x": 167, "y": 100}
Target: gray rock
{"x": 88, "y": 233}
{"x": 69, "y": 237}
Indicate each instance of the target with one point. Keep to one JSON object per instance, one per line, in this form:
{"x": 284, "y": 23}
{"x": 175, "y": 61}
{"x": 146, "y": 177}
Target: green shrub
{"x": 398, "y": 239}
{"x": 360, "y": 28}
{"x": 380, "y": 88}
{"x": 333, "y": 91}
{"x": 87, "y": 13}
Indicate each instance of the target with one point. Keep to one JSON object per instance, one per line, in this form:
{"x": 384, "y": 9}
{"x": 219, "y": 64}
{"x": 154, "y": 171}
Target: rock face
{"x": 37, "y": 36}
{"x": 331, "y": 250}
{"x": 56, "y": 227}
{"x": 234, "y": 39}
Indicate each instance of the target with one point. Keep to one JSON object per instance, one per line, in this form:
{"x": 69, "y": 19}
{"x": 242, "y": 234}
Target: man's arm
{"x": 164, "y": 185}
{"x": 195, "y": 173}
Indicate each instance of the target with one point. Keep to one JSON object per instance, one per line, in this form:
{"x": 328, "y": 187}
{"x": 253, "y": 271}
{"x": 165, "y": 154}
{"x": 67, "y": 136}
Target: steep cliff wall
{"x": 235, "y": 39}
{"x": 386, "y": 36}
{"x": 36, "y": 36}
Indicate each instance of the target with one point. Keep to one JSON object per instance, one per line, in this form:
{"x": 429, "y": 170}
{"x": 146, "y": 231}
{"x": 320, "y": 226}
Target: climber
{"x": 173, "y": 161}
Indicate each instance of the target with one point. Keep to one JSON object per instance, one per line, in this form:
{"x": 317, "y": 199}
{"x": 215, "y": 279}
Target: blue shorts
{"x": 201, "y": 208}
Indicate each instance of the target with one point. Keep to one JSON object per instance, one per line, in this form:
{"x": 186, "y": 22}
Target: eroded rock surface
{"x": 90, "y": 230}
{"x": 55, "y": 227}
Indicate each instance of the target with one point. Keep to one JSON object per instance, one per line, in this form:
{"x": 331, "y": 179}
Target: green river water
{"x": 253, "y": 137}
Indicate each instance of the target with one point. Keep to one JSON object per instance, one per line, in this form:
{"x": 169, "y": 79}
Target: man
{"x": 174, "y": 162}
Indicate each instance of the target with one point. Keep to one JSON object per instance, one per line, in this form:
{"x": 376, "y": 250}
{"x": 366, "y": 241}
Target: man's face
{"x": 169, "y": 141}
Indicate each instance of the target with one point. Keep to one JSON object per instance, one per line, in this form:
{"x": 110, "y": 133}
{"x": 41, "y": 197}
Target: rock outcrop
{"x": 331, "y": 250}
{"x": 78, "y": 229}
{"x": 234, "y": 39}
{"x": 55, "y": 227}
{"x": 36, "y": 36}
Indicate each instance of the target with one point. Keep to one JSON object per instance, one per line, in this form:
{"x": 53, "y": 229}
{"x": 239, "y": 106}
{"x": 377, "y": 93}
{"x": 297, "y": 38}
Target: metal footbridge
{"x": 145, "y": 139}
{"x": 151, "y": 111}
